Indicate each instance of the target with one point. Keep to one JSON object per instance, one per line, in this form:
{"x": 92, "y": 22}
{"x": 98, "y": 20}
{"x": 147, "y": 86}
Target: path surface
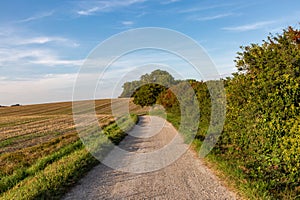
{"x": 186, "y": 178}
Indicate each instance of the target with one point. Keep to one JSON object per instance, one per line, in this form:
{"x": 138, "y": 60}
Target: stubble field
{"x": 41, "y": 154}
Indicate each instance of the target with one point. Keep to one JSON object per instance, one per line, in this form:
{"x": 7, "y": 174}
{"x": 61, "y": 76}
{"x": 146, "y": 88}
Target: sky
{"x": 44, "y": 44}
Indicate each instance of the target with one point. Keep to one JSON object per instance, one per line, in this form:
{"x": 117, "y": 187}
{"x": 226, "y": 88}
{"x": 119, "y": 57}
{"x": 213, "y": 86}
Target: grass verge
{"x": 234, "y": 178}
{"x": 228, "y": 171}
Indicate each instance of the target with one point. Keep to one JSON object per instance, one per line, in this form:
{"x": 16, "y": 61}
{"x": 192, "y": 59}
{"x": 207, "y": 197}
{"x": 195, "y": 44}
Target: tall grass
{"x": 8, "y": 182}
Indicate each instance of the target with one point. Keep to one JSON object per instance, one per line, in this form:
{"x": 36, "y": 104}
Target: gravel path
{"x": 186, "y": 178}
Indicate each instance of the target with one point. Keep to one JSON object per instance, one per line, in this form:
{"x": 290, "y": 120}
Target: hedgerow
{"x": 261, "y": 136}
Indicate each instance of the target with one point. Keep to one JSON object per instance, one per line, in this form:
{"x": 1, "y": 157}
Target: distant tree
{"x": 156, "y": 77}
{"x": 160, "y": 77}
{"x": 129, "y": 88}
{"x": 147, "y": 94}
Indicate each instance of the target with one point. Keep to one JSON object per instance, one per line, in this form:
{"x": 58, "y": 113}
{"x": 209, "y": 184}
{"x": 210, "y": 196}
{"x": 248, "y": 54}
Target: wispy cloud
{"x": 55, "y": 61}
{"x": 89, "y": 11}
{"x": 37, "y": 56}
{"x": 23, "y": 56}
{"x": 127, "y": 23}
{"x": 170, "y": 1}
{"x": 45, "y": 40}
{"x": 142, "y": 14}
{"x": 36, "y": 17}
{"x": 47, "y": 88}
{"x": 105, "y": 6}
{"x": 6, "y": 31}
{"x": 14, "y": 40}
{"x": 202, "y": 8}
{"x": 214, "y": 17}
{"x": 249, "y": 27}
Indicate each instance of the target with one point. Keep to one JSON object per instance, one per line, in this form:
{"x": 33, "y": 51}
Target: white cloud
{"x": 170, "y": 1}
{"x": 250, "y": 27}
{"x": 9, "y": 56}
{"x": 142, "y": 14}
{"x": 89, "y": 11}
{"x": 38, "y": 40}
{"x": 44, "y": 40}
{"x": 27, "y": 56}
{"x": 202, "y": 8}
{"x": 36, "y": 17}
{"x": 54, "y": 61}
{"x": 15, "y": 36}
{"x": 209, "y": 18}
{"x": 18, "y": 50}
{"x": 105, "y": 6}
{"x": 127, "y": 23}
{"x": 49, "y": 88}
{"x": 2, "y": 78}
{"x": 26, "y": 68}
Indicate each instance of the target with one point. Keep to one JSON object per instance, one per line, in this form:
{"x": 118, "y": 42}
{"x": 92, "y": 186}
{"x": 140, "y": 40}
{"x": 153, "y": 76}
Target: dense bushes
{"x": 147, "y": 95}
{"x": 261, "y": 136}
{"x": 263, "y": 112}
{"x": 169, "y": 100}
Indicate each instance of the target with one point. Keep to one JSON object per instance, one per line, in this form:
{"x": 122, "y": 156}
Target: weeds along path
{"x": 186, "y": 178}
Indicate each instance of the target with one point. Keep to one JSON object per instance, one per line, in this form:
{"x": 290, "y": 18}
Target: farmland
{"x": 40, "y": 151}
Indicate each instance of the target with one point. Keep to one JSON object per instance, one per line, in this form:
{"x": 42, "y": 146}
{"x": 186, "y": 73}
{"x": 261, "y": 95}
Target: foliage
{"x": 261, "y": 136}
{"x": 157, "y": 77}
{"x": 169, "y": 99}
{"x": 263, "y": 110}
{"x": 147, "y": 94}
{"x": 129, "y": 88}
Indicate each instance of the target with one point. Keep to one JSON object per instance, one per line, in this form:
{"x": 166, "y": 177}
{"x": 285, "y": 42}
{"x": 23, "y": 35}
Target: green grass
{"x": 51, "y": 182}
{"x": 25, "y": 157}
{"x": 51, "y": 176}
{"x": 233, "y": 175}
{"x": 8, "y": 182}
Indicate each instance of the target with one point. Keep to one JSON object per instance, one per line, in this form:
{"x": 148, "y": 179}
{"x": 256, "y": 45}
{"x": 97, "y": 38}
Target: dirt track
{"x": 186, "y": 178}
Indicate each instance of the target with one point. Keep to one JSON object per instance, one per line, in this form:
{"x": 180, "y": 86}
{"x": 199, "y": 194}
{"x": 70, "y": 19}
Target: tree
{"x": 160, "y": 77}
{"x": 157, "y": 77}
{"x": 129, "y": 88}
{"x": 147, "y": 94}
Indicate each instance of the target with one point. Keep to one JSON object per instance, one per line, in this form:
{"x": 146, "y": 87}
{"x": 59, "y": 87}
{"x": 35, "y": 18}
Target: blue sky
{"x": 44, "y": 43}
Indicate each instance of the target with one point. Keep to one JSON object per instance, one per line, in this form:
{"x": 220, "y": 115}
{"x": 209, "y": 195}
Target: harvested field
{"x": 35, "y": 137}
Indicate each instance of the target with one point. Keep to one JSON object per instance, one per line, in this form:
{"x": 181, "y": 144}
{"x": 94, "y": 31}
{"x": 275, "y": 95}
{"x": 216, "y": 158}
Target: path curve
{"x": 186, "y": 178}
